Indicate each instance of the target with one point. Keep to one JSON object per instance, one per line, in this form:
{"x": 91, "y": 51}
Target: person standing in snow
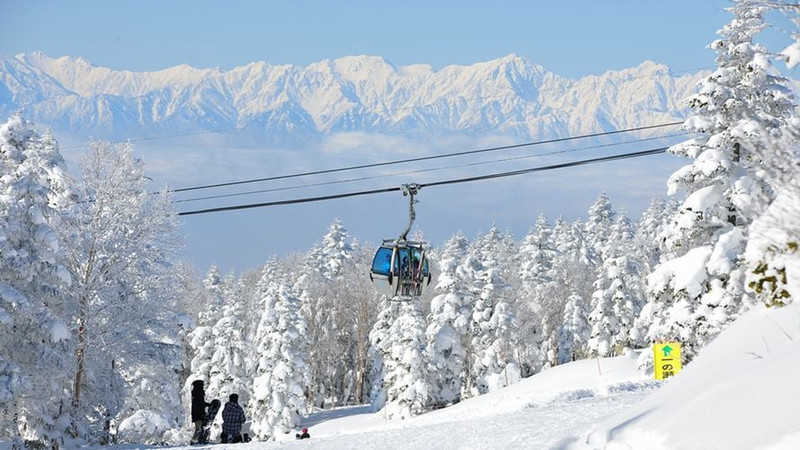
{"x": 232, "y": 420}
{"x": 198, "y": 410}
{"x": 305, "y": 434}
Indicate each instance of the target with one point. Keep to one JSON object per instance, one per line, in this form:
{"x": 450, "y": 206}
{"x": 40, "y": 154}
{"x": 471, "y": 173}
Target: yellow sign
{"x": 666, "y": 359}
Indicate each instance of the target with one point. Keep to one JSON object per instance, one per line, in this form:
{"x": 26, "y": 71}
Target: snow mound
{"x": 143, "y": 426}
{"x": 740, "y": 393}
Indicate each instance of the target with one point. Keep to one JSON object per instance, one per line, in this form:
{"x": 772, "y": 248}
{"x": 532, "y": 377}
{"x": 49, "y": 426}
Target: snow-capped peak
{"x": 507, "y": 95}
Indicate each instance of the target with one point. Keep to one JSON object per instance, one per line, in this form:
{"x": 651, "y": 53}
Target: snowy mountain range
{"x": 507, "y": 96}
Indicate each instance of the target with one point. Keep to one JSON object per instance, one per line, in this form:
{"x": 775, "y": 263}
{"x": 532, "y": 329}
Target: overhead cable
{"x": 437, "y": 183}
{"x": 156, "y": 138}
{"x": 417, "y": 171}
{"x": 424, "y": 158}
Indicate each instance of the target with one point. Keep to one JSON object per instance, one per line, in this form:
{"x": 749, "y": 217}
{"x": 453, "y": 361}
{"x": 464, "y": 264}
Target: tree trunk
{"x": 83, "y": 305}
{"x": 81, "y": 353}
{"x": 360, "y": 376}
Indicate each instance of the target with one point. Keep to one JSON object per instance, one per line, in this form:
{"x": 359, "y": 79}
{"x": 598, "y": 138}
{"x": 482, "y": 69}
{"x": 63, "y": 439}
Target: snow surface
{"x": 741, "y": 392}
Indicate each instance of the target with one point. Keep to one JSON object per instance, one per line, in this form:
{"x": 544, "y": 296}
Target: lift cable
{"x": 417, "y": 171}
{"x": 650, "y": 152}
{"x": 424, "y": 158}
{"x": 157, "y": 138}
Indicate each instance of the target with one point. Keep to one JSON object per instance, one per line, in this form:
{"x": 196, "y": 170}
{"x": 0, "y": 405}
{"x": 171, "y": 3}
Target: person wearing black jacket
{"x": 198, "y": 411}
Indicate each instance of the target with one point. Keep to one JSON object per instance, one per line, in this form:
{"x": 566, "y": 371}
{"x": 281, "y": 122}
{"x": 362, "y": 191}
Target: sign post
{"x": 666, "y": 359}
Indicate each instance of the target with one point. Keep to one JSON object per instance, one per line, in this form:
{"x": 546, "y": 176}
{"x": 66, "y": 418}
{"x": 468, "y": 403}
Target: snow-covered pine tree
{"x": 278, "y": 400}
{"x": 597, "y": 229}
{"x": 702, "y": 290}
{"x": 620, "y": 293}
{"x": 575, "y": 330}
{"x": 202, "y": 345}
{"x": 492, "y": 319}
{"x": 573, "y": 275}
{"x": 537, "y": 287}
{"x": 493, "y": 335}
{"x": 773, "y": 250}
{"x": 215, "y": 297}
{"x": 496, "y": 250}
{"x": 650, "y": 242}
{"x": 449, "y": 321}
{"x": 406, "y": 377}
{"x": 227, "y": 370}
{"x": 326, "y": 309}
{"x": 37, "y": 346}
{"x": 329, "y": 257}
{"x": 597, "y": 232}
{"x": 602, "y": 320}
{"x": 379, "y": 348}
{"x": 192, "y": 297}
{"x": 650, "y": 227}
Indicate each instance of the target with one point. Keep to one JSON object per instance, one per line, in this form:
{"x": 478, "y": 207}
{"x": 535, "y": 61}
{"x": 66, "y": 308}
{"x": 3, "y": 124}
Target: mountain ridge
{"x": 361, "y": 93}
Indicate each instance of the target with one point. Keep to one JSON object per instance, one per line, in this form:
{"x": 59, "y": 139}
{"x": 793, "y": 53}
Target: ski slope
{"x": 539, "y": 411}
{"x": 740, "y": 393}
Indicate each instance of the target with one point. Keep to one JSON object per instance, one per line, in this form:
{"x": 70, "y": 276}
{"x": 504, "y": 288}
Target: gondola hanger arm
{"x": 410, "y": 190}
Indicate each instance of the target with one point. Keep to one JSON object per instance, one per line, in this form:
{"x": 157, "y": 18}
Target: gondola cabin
{"x": 400, "y": 270}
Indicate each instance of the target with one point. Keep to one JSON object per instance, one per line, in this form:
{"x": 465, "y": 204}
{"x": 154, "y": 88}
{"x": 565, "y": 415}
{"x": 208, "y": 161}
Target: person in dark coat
{"x": 232, "y": 420}
{"x": 198, "y": 410}
{"x": 305, "y": 434}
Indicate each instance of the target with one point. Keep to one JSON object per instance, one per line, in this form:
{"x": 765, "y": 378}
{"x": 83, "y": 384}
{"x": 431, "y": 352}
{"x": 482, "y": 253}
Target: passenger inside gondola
{"x": 382, "y": 262}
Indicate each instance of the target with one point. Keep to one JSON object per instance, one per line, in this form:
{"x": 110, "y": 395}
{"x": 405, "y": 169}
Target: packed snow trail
{"x": 537, "y": 413}
{"x": 534, "y": 427}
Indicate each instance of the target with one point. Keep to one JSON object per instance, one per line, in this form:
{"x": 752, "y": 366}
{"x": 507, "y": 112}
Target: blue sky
{"x": 572, "y": 38}
{"x": 569, "y": 37}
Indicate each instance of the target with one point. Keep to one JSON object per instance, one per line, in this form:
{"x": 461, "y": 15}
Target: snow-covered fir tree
{"x": 702, "y": 290}
{"x": 573, "y": 275}
{"x": 215, "y": 297}
{"x": 329, "y": 257}
{"x": 773, "y": 250}
{"x": 620, "y": 293}
{"x": 536, "y": 276}
{"x": 650, "y": 227}
{"x": 36, "y": 342}
{"x": 379, "y": 347}
{"x": 278, "y": 402}
{"x": 575, "y": 330}
{"x": 405, "y": 373}
{"x": 201, "y": 341}
{"x": 227, "y": 370}
{"x": 496, "y": 250}
{"x": 325, "y": 307}
{"x": 448, "y": 323}
{"x": 493, "y": 333}
{"x": 597, "y": 229}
